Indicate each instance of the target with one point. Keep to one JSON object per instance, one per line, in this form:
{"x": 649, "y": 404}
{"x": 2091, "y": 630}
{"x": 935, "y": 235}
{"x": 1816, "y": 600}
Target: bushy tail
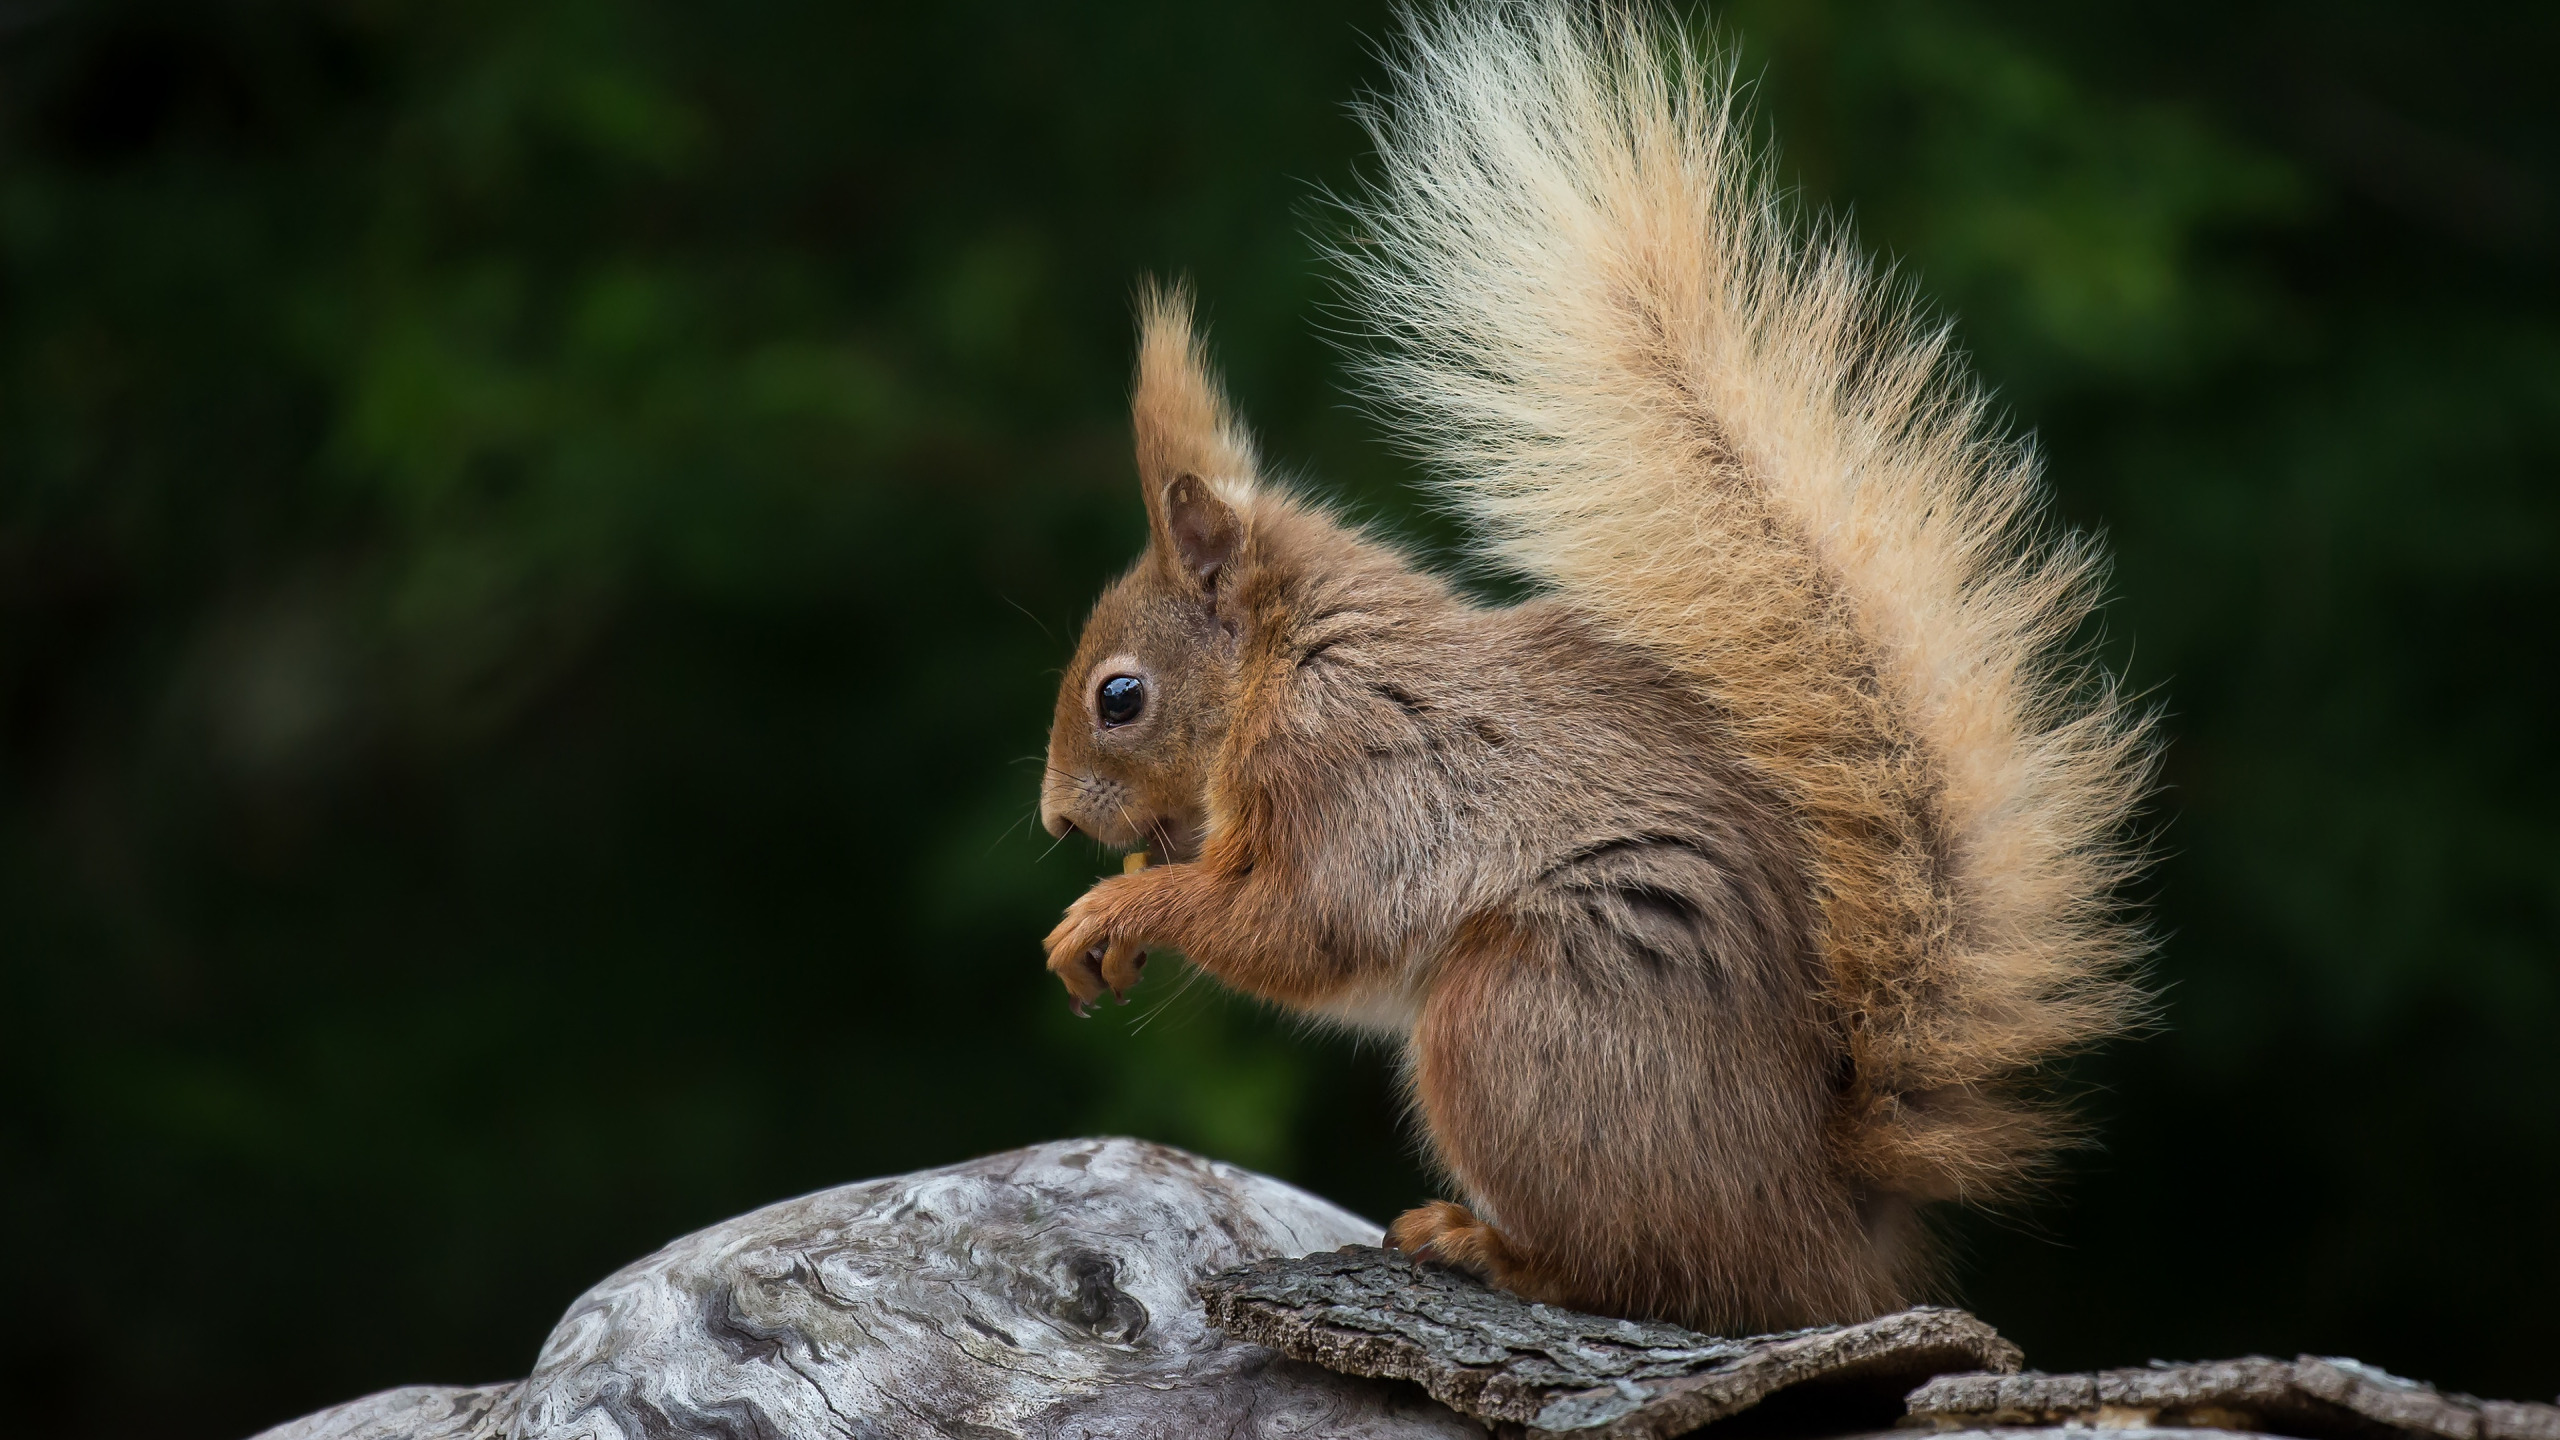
{"x": 1713, "y": 426}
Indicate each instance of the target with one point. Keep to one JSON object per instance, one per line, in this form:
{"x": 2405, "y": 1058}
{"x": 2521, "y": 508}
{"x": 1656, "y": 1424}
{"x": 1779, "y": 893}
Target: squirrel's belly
{"x": 1372, "y": 1009}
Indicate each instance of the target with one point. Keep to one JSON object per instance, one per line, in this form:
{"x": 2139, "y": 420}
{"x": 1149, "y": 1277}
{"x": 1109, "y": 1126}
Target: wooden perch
{"x": 414, "y": 1412}
{"x": 2321, "y": 1399}
{"x": 1059, "y": 1291}
{"x": 1045, "y": 1292}
{"x": 1366, "y": 1311}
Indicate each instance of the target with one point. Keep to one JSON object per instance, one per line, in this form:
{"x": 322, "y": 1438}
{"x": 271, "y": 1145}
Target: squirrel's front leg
{"x": 1245, "y": 929}
{"x": 1102, "y": 942}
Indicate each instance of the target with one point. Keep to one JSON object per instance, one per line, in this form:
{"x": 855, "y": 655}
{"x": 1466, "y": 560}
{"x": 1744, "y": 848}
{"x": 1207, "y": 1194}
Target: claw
{"x": 1083, "y": 979}
{"x": 1123, "y": 965}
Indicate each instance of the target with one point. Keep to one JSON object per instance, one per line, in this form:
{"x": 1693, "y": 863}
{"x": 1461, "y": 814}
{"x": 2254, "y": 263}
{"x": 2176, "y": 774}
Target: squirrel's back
{"x": 1715, "y": 431}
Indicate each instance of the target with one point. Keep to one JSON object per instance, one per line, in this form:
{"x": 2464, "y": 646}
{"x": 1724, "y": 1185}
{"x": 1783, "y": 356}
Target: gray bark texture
{"x": 1118, "y": 1290}
{"x": 2323, "y": 1399}
{"x": 1044, "y": 1292}
{"x": 1549, "y": 1372}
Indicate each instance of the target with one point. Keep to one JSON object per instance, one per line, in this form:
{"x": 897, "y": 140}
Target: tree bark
{"x": 1560, "y": 1373}
{"x": 2320, "y": 1399}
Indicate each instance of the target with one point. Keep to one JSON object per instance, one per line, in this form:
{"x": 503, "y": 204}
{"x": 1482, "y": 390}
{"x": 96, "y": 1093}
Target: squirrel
{"x": 1729, "y": 894}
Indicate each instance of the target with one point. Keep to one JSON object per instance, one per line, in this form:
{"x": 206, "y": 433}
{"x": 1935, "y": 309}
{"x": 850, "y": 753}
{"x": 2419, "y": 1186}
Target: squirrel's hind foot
{"x": 1443, "y": 1233}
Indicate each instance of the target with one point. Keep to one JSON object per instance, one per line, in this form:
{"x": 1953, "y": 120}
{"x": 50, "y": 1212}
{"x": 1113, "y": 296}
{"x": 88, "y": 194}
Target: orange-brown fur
{"x": 1724, "y": 892}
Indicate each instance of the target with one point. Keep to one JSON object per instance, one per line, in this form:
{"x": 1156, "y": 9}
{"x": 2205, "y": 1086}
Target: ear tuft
{"x": 1195, "y": 461}
{"x": 1203, "y": 528}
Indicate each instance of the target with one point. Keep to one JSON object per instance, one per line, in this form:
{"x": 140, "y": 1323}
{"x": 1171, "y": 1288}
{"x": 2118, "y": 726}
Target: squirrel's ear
{"x": 1194, "y": 458}
{"x": 1203, "y": 530}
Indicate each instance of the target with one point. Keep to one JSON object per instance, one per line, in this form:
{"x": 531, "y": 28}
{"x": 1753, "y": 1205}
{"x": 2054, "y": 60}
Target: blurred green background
{"x": 534, "y": 536}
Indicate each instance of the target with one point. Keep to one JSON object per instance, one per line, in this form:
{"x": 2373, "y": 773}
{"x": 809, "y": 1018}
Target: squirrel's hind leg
{"x": 1644, "y": 1123}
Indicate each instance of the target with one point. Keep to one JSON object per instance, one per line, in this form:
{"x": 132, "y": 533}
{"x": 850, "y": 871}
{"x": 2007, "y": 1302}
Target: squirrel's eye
{"x": 1121, "y": 699}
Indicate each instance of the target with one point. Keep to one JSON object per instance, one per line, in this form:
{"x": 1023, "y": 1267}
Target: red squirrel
{"x": 1728, "y": 894}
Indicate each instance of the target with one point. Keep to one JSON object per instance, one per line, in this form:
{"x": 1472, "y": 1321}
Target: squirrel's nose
{"x": 1056, "y": 822}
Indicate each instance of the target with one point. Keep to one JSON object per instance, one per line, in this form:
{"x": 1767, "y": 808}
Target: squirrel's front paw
{"x": 1090, "y": 953}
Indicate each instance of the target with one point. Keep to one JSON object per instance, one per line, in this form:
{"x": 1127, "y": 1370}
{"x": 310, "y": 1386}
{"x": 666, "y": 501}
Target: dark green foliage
{"x": 533, "y": 535}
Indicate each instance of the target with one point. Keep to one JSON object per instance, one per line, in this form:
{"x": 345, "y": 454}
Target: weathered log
{"x": 2313, "y": 1397}
{"x": 414, "y": 1412}
{"x": 1044, "y": 1292}
{"x": 1366, "y": 1311}
{"x": 1051, "y": 1292}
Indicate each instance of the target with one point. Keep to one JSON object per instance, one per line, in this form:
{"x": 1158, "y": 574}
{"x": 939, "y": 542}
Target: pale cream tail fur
{"x": 1712, "y": 425}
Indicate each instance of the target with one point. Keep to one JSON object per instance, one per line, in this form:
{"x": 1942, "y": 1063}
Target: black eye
{"x": 1121, "y": 699}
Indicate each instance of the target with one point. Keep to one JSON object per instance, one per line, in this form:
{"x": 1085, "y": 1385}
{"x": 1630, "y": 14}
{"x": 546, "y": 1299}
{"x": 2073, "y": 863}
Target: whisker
{"x": 1007, "y": 832}
{"x": 1027, "y": 615}
{"x": 1190, "y": 977}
